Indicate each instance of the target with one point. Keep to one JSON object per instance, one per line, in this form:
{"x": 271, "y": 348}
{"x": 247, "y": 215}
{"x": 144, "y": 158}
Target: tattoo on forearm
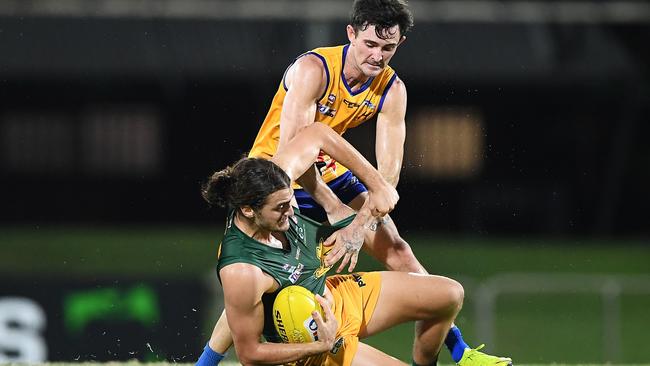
{"x": 375, "y": 223}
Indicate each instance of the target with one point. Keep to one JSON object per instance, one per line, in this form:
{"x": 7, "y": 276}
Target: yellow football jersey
{"x": 339, "y": 107}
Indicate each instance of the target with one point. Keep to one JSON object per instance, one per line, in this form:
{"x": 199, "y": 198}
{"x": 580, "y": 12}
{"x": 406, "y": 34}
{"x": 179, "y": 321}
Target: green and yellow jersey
{"x": 302, "y": 263}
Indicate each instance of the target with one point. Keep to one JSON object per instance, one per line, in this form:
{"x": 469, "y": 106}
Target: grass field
{"x": 534, "y": 329}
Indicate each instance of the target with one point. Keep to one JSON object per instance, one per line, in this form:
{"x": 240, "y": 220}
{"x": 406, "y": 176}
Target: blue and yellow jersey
{"x": 339, "y": 107}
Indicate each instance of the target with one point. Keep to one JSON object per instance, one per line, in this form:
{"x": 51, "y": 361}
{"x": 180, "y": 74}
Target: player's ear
{"x": 247, "y": 211}
{"x": 351, "y": 33}
{"x": 401, "y": 40}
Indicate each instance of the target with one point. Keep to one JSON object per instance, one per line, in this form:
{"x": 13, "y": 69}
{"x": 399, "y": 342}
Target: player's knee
{"x": 445, "y": 299}
{"x": 457, "y": 295}
{"x": 454, "y": 295}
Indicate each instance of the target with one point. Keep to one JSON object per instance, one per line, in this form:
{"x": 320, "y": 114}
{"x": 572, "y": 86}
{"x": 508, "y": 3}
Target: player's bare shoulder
{"x": 307, "y": 70}
{"x": 395, "y": 98}
{"x": 244, "y": 275}
{"x": 398, "y": 88}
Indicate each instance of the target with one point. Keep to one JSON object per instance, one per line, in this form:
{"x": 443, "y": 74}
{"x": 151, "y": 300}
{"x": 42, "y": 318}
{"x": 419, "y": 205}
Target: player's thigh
{"x": 370, "y": 356}
{"x": 409, "y": 296}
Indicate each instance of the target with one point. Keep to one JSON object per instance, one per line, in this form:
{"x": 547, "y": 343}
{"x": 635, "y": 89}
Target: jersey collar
{"x": 363, "y": 87}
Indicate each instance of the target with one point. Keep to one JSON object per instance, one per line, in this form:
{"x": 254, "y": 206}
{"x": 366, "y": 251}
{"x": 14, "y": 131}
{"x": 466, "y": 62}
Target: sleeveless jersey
{"x": 339, "y": 107}
{"x": 301, "y": 264}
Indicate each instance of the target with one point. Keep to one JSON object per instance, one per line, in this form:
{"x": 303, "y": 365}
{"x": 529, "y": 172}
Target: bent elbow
{"x": 252, "y": 357}
{"x": 314, "y": 129}
{"x": 247, "y": 355}
{"x": 248, "y": 361}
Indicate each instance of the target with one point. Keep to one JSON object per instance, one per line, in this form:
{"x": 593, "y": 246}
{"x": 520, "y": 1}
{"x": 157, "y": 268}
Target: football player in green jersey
{"x": 262, "y": 241}
{"x": 263, "y": 235}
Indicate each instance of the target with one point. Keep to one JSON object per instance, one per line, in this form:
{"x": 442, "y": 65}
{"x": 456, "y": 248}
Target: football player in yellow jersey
{"x": 343, "y": 87}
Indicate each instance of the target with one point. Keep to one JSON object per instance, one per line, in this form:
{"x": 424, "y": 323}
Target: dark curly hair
{"x": 383, "y": 14}
{"x": 246, "y": 183}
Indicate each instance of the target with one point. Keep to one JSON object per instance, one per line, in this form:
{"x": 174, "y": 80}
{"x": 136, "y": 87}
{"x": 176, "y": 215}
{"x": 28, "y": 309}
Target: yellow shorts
{"x": 355, "y": 299}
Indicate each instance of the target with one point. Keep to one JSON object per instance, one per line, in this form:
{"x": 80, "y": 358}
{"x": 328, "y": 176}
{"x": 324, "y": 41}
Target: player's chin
{"x": 283, "y": 225}
{"x": 372, "y": 70}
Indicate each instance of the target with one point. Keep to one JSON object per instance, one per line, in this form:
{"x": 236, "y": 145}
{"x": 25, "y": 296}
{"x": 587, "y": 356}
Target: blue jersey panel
{"x": 346, "y": 187}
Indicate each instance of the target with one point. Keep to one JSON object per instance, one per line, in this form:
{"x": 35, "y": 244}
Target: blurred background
{"x": 525, "y": 176}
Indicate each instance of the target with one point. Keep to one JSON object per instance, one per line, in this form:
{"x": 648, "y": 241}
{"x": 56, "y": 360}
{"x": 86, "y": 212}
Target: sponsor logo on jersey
{"x": 295, "y": 275}
{"x": 327, "y": 109}
{"x": 367, "y": 103}
{"x": 337, "y": 346}
{"x": 351, "y": 104}
{"x": 357, "y": 278}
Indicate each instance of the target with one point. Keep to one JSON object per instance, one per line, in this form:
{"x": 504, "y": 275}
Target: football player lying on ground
{"x": 267, "y": 246}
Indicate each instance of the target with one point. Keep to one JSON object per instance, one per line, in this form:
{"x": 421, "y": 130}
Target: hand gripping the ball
{"x": 327, "y": 325}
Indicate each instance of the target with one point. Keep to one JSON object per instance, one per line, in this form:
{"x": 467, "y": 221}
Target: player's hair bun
{"x": 246, "y": 183}
{"x": 216, "y": 190}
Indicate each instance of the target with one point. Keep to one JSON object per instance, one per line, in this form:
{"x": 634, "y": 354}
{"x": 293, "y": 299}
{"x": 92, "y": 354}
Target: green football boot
{"x": 473, "y": 357}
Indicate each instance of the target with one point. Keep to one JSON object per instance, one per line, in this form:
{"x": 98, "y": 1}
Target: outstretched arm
{"x": 297, "y": 156}
{"x": 389, "y": 148}
{"x": 306, "y": 81}
{"x": 391, "y": 133}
